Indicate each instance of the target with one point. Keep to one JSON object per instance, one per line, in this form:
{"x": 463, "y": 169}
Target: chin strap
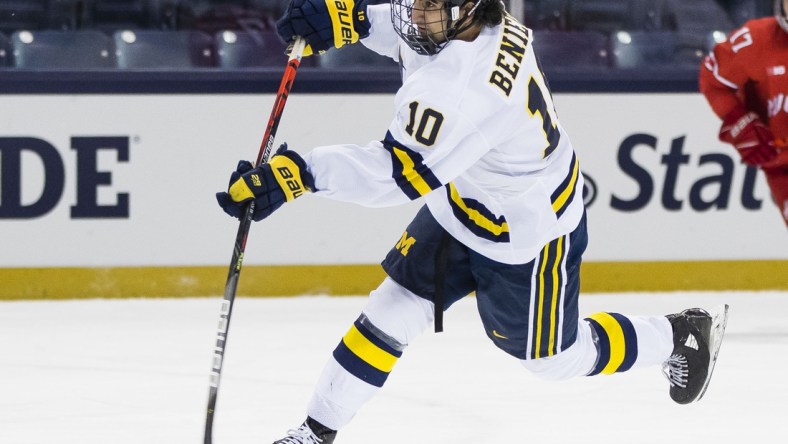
{"x": 460, "y": 26}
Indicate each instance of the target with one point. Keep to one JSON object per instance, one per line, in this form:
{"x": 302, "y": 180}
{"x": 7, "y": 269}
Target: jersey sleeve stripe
{"x": 562, "y": 196}
{"x": 477, "y": 218}
{"x": 711, "y": 64}
{"x": 412, "y": 176}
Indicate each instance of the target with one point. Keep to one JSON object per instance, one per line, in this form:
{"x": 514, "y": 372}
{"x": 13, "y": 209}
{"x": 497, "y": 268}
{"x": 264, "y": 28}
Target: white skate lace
{"x": 676, "y": 370}
{"x": 302, "y": 435}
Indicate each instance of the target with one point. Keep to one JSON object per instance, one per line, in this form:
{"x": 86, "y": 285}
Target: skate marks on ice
{"x": 130, "y": 371}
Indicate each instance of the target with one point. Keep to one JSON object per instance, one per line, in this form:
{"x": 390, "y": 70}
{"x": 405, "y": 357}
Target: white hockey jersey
{"x": 476, "y": 135}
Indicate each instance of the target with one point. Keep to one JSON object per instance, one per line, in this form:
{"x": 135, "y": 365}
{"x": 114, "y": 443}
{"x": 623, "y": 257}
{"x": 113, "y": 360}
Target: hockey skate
{"x": 697, "y": 337}
{"x": 310, "y": 432}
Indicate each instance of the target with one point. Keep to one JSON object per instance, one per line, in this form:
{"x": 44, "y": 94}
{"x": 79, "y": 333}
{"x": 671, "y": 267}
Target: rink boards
{"x": 112, "y": 195}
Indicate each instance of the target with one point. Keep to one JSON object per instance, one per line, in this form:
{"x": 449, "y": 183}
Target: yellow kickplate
{"x": 294, "y": 280}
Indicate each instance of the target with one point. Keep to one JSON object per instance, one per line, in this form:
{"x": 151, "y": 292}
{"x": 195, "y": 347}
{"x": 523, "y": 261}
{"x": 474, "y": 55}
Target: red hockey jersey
{"x": 751, "y": 67}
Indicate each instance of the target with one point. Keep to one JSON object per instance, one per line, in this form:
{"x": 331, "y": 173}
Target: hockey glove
{"x": 744, "y": 130}
{"x": 270, "y": 185}
{"x": 324, "y": 23}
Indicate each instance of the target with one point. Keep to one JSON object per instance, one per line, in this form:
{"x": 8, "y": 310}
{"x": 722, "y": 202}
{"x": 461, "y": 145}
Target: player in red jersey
{"x": 745, "y": 80}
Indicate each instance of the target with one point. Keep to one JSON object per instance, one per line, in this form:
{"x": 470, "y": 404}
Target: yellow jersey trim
{"x": 564, "y": 196}
{"x": 410, "y": 174}
{"x": 475, "y": 216}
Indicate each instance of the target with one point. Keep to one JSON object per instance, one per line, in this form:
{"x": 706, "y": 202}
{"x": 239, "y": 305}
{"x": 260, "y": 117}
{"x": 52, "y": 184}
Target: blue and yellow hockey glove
{"x": 270, "y": 185}
{"x": 324, "y": 24}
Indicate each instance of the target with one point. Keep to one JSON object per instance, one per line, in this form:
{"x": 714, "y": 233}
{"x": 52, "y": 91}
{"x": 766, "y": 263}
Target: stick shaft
{"x": 231, "y": 285}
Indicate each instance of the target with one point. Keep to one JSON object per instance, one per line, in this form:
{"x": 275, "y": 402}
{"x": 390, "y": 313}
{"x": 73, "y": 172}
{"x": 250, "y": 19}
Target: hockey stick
{"x": 231, "y": 285}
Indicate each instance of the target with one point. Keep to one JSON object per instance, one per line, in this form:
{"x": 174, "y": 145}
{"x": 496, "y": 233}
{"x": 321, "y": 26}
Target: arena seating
{"x": 223, "y": 16}
{"x": 23, "y": 14}
{"x": 571, "y": 49}
{"x": 152, "y": 49}
{"x": 615, "y": 15}
{"x": 546, "y": 14}
{"x": 5, "y": 51}
{"x": 111, "y": 15}
{"x": 700, "y": 16}
{"x": 742, "y": 10}
{"x": 354, "y": 56}
{"x": 47, "y": 49}
{"x": 242, "y": 49}
{"x": 240, "y": 34}
{"x": 654, "y": 49}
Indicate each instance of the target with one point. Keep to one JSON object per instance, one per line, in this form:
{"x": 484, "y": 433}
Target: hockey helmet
{"x": 781, "y": 14}
{"x": 427, "y": 26}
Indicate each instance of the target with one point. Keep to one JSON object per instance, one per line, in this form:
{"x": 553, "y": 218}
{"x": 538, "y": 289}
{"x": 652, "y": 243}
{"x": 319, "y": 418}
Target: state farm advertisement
{"x": 118, "y": 180}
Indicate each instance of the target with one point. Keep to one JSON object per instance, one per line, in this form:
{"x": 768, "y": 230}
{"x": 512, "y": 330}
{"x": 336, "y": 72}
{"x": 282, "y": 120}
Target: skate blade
{"x": 718, "y": 324}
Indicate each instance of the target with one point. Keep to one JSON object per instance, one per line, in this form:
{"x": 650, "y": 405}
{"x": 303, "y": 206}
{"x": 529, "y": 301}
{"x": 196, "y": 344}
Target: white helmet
{"x": 430, "y": 43}
{"x": 781, "y": 14}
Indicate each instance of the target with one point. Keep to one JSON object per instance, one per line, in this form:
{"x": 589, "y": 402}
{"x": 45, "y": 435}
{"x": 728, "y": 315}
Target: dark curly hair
{"x": 490, "y": 12}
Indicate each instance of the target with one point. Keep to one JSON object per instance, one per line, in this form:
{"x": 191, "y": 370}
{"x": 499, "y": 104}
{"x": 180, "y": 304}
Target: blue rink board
{"x": 315, "y": 81}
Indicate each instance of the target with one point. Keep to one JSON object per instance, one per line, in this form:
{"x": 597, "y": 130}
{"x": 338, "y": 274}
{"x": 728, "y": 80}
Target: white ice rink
{"x": 136, "y": 371}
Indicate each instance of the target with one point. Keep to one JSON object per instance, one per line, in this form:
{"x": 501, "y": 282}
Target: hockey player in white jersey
{"x": 475, "y": 134}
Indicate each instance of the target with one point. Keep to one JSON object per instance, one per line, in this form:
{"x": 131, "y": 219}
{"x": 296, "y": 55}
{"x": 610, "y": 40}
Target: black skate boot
{"x": 697, "y": 337}
{"x": 310, "y": 432}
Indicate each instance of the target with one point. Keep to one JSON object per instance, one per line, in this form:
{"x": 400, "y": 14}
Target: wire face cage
{"x": 426, "y": 26}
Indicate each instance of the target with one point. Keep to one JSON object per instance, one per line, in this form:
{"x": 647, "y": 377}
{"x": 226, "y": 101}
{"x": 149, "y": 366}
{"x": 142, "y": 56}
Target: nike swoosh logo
{"x": 498, "y": 335}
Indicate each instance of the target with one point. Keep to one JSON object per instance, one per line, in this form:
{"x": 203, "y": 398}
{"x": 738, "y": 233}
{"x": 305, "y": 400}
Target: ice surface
{"x": 136, "y": 371}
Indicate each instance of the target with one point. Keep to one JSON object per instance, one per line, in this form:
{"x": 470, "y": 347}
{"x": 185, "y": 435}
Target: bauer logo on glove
{"x": 340, "y": 11}
{"x": 324, "y": 24}
{"x": 749, "y": 135}
{"x": 282, "y": 179}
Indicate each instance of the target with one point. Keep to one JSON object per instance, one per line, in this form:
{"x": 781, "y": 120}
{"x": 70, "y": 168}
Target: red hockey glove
{"x": 744, "y": 130}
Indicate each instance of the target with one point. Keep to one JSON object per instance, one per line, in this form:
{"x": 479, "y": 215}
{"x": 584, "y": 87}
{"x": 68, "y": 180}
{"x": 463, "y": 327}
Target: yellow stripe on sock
{"x": 369, "y": 352}
{"x": 615, "y": 334}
